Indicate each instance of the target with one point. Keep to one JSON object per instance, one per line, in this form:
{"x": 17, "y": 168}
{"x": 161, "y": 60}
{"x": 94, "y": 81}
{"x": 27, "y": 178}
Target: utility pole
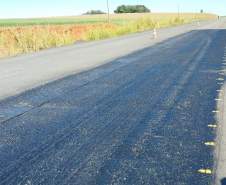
{"x": 178, "y": 10}
{"x": 108, "y": 12}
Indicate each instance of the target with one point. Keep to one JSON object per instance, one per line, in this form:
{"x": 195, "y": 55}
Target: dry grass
{"x": 142, "y": 24}
{"x": 16, "y": 40}
{"x": 29, "y": 39}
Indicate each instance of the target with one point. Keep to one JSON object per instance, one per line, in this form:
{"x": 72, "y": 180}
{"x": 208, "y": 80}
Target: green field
{"x": 118, "y": 19}
{"x": 66, "y": 21}
{"x": 56, "y": 21}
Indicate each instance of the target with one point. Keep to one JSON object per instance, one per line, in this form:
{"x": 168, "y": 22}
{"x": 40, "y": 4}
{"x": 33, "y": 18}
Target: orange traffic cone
{"x": 198, "y": 24}
{"x": 154, "y": 34}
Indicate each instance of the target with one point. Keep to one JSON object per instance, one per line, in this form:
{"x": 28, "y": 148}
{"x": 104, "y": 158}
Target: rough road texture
{"x": 31, "y": 70}
{"x": 140, "y": 119}
{"x": 220, "y": 148}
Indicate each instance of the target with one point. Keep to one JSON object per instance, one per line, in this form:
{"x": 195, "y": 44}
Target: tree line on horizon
{"x": 123, "y": 9}
{"x": 93, "y": 12}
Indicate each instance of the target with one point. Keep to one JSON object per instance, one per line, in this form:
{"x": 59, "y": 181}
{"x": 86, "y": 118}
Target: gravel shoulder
{"x": 220, "y": 150}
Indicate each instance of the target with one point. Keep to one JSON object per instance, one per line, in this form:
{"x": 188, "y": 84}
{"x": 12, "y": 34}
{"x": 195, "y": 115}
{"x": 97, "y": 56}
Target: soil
{"x": 76, "y": 31}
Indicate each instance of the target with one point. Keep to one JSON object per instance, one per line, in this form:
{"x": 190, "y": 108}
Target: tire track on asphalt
{"x": 129, "y": 89}
{"x": 136, "y": 138}
{"x": 14, "y": 104}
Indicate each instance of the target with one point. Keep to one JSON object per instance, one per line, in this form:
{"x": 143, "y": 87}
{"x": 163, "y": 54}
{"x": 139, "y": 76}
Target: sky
{"x": 51, "y": 8}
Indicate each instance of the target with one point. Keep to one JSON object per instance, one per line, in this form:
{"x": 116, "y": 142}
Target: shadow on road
{"x": 131, "y": 121}
{"x": 223, "y": 181}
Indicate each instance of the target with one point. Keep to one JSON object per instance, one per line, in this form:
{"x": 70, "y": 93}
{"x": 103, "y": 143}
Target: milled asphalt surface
{"x": 27, "y": 71}
{"x": 141, "y": 118}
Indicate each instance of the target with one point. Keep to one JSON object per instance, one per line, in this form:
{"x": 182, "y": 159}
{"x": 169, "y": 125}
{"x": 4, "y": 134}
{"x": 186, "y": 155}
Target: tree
{"x": 201, "y": 11}
{"x": 132, "y": 9}
{"x": 93, "y": 12}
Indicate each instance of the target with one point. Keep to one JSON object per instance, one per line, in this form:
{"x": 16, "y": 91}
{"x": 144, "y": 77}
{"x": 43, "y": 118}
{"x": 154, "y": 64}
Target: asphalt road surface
{"x": 136, "y": 112}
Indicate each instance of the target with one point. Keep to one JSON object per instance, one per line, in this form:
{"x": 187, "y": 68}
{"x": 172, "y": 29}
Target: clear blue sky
{"x": 48, "y": 8}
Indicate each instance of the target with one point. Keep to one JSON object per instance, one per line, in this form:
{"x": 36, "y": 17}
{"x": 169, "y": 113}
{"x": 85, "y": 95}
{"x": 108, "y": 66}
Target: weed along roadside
{"x": 133, "y": 26}
{"x": 18, "y": 40}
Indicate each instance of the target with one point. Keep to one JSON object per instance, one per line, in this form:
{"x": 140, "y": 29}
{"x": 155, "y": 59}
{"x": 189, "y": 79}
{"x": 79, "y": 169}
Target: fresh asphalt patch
{"x": 140, "y": 119}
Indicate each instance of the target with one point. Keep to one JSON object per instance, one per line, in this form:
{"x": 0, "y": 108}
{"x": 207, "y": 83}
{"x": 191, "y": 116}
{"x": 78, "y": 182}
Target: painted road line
{"x": 218, "y": 99}
{"x": 220, "y": 79}
{"x": 215, "y": 111}
{"x": 205, "y": 171}
{"x": 222, "y": 70}
{"x": 220, "y": 83}
{"x": 210, "y": 143}
{"x": 221, "y": 73}
{"x": 214, "y": 126}
{"x": 219, "y": 90}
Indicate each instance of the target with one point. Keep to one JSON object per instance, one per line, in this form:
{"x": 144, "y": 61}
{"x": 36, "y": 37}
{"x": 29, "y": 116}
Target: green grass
{"x": 65, "y": 21}
{"x": 120, "y": 22}
{"x": 58, "y": 21}
{"x": 33, "y": 22}
{"x": 142, "y": 24}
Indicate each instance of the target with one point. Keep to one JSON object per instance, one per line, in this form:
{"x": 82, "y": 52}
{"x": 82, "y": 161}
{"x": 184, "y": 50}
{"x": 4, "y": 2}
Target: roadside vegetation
{"x": 15, "y": 40}
{"x": 142, "y": 24}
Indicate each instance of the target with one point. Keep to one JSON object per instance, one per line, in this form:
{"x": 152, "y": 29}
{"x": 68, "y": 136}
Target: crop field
{"x": 118, "y": 19}
{"x": 138, "y": 15}
{"x": 28, "y": 35}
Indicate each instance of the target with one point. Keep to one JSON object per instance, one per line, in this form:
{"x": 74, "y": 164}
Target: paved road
{"x": 27, "y": 71}
{"x": 140, "y": 119}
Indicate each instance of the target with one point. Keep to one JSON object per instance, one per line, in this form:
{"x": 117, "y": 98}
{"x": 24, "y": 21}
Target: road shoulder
{"x": 220, "y": 150}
